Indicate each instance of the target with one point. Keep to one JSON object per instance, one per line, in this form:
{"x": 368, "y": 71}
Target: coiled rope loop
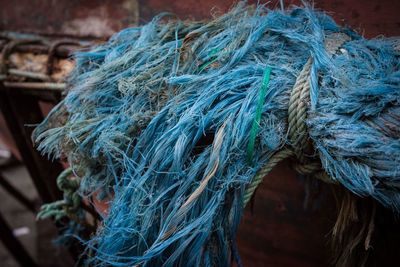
{"x": 301, "y": 147}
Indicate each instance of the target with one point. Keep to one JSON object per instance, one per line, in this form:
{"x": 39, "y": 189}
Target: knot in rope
{"x": 69, "y": 187}
{"x": 70, "y": 205}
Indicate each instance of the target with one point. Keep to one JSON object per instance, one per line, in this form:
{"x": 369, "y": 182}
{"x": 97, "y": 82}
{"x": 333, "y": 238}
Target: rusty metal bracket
{"x": 52, "y": 52}
{"x": 8, "y": 49}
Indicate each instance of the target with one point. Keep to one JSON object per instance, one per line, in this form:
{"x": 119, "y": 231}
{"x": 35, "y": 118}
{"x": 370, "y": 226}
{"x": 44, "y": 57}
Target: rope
{"x": 70, "y": 205}
{"x": 192, "y": 198}
{"x": 274, "y": 160}
{"x": 178, "y": 202}
{"x": 301, "y": 145}
{"x": 297, "y": 111}
{"x": 220, "y": 135}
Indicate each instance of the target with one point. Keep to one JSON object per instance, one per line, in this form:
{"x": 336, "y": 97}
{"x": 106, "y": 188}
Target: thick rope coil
{"x": 301, "y": 145}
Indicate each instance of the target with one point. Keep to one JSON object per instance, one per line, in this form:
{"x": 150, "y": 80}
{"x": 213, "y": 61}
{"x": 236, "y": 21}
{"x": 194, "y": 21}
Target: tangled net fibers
{"x": 175, "y": 121}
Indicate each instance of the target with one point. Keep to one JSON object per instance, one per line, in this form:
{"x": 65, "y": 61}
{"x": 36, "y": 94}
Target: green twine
{"x": 256, "y": 123}
{"x": 212, "y": 56}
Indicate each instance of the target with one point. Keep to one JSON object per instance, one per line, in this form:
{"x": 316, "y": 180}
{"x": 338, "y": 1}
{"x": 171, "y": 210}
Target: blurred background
{"x": 290, "y": 220}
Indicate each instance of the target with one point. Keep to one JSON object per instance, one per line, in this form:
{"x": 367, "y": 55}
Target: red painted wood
{"x": 96, "y": 18}
{"x": 101, "y": 18}
{"x": 368, "y": 17}
{"x": 281, "y": 231}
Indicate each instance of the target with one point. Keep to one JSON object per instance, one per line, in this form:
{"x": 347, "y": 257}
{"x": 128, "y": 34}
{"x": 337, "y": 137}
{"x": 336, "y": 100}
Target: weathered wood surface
{"x": 20, "y": 112}
{"x": 98, "y": 18}
{"x": 284, "y": 228}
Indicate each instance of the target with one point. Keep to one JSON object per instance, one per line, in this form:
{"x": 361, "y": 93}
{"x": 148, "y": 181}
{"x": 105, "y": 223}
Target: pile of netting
{"x": 177, "y": 123}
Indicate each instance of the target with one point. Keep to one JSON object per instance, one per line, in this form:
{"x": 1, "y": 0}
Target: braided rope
{"x": 70, "y": 205}
{"x": 297, "y": 111}
{"x": 273, "y": 161}
{"x": 297, "y": 115}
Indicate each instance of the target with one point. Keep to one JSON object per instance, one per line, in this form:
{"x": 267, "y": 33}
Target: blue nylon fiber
{"x": 140, "y": 122}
